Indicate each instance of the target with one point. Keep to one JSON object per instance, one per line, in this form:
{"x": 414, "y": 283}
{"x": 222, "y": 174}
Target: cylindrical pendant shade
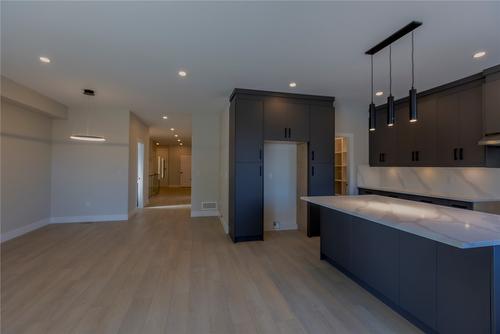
{"x": 372, "y": 117}
{"x": 413, "y": 105}
{"x": 391, "y": 112}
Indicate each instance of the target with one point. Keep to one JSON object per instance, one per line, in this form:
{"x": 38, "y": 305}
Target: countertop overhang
{"x": 455, "y": 227}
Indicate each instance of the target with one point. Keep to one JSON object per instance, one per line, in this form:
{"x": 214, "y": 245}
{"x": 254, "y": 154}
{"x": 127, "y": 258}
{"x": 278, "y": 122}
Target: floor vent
{"x": 208, "y": 205}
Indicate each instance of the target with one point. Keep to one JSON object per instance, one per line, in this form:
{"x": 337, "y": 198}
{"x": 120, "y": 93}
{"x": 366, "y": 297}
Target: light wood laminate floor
{"x": 163, "y": 272}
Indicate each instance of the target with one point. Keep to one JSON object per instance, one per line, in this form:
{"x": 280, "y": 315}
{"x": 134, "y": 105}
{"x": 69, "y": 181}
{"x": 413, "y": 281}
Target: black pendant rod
{"x": 412, "y": 62}
{"x": 390, "y": 69}
{"x": 394, "y": 37}
{"x": 372, "y": 78}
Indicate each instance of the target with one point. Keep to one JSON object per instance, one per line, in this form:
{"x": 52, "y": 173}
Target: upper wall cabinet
{"x": 322, "y": 130}
{"x": 250, "y": 129}
{"x": 450, "y": 125}
{"x": 491, "y": 94}
{"x": 285, "y": 120}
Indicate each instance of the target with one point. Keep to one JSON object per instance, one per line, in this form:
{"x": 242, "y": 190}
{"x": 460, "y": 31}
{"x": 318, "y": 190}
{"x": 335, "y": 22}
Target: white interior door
{"x": 140, "y": 175}
{"x": 186, "y": 170}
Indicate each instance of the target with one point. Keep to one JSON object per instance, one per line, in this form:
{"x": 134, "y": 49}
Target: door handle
{"x": 312, "y": 170}
{"x": 461, "y": 154}
{"x": 454, "y": 154}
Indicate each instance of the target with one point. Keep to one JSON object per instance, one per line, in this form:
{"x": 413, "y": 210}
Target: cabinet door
{"x": 491, "y": 91}
{"x": 285, "y": 121}
{"x": 386, "y": 142}
{"x": 249, "y": 123}
{"x": 322, "y": 134}
{"x": 417, "y": 277}
{"x": 248, "y": 200}
{"x": 425, "y": 132}
{"x": 336, "y": 236}
{"x": 373, "y": 142}
{"x": 471, "y": 130}
{"x": 321, "y": 180}
{"x": 298, "y": 122}
{"x": 448, "y": 127}
{"x": 405, "y": 133}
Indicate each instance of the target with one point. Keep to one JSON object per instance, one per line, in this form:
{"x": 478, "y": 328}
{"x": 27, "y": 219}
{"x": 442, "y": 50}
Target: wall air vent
{"x": 209, "y": 205}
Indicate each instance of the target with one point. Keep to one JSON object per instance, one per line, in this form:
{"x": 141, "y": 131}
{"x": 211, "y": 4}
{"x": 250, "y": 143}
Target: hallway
{"x": 164, "y": 272}
{"x": 171, "y": 196}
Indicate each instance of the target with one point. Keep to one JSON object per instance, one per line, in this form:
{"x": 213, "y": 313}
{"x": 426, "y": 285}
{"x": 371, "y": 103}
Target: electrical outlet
{"x": 276, "y": 225}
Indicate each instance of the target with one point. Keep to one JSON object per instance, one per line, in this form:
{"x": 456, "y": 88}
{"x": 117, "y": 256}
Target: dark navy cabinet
{"x": 257, "y": 116}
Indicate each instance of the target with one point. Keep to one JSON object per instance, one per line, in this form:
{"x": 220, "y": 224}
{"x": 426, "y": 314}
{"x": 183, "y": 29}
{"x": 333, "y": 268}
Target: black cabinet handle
{"x": 461, "y": 154}
{"x": 286, "y": 132}
{"x": 380, "y": 157}
{"x": 454, "y": 154}
{"x": 260, "y": 154}
{"x": 289, "y": 132}
{"x": 312, "y": 155}
{"x": 260, "y": 170}
{"x": 417, "y": 155}
{"x": 312, "y": 170}
{"x": 412, "y": 155}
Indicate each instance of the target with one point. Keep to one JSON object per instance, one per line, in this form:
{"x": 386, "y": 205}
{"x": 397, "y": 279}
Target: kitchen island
{"x": 437, "y": 266}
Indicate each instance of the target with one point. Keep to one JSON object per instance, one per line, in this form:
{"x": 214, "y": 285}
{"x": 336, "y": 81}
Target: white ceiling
{"x": 130, "y": 52}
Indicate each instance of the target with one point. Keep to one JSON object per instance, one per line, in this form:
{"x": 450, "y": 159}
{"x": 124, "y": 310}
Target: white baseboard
{"x": 284, "y": 228}
{"x": 23, "y": 230}
{"x": 88, "y": 219}
{"x": 205, "y": 213}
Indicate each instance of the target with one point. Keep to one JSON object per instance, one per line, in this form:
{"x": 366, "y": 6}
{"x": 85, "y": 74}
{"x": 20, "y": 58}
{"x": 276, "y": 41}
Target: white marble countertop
{"x": 456, "y": 227}
{"x": 477, "y": 199}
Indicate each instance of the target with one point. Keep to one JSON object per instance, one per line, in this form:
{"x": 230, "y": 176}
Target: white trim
{"x": 88, "y": 219}
{"x": 205, "y": 213}
{"x": 24, "y": 229}
{"x": 287, "y": 228}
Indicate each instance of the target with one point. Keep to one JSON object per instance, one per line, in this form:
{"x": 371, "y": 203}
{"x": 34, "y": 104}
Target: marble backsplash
{"x": 468, "y": 184}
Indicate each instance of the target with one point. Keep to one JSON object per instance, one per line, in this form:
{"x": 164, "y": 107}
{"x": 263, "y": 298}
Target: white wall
{"x": 351, "y": 119}
{"x": 205, "y": 162}
{"x": 90, "y": 180}
{"x": 25, "y": 170}
{"x": 280, "y": 186}
{"x": 138, "y": 133}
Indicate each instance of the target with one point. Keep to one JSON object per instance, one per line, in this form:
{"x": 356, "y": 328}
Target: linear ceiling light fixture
{"x": 391, "y": 117}
{"x": 371, "y": 108}
{"x": 86, "y": 137}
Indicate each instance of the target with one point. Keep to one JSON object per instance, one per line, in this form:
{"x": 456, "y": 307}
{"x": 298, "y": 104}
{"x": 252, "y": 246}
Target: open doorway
{"x": 170, "y": 176}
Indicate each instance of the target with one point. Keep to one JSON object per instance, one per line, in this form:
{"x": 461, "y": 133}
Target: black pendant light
{"x": 413, "y": 92}
{"x": 391, "y": 113}
{"x": 371, "y": 109}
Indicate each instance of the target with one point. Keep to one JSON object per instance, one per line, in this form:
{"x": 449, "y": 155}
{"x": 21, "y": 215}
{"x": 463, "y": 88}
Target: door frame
{"x": 140, "y": 175}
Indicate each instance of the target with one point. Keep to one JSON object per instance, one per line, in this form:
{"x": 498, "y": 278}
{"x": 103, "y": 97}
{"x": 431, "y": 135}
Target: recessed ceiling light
{"x": 176, "y": 136}
{"x": 380, "y": 93}
{"x": 479, "y": 54}
{"x": 182, "y": 73}
{"x": 292, "y": 84}
{"x": 44, "y": 60}
{"x": 178, "y": 140}
{"x": 165, "y": 117}
{"x": 157, "y": 144}
{"x": 172, "y": 129}
{"x": 180, "y": 144}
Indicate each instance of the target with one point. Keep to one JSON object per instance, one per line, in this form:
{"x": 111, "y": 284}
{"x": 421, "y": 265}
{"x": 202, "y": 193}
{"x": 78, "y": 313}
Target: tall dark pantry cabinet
{"x": 258, "y": 116}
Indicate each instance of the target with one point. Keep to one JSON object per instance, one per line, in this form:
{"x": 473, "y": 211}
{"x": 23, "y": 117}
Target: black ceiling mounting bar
{"x": 394, "y": 37}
